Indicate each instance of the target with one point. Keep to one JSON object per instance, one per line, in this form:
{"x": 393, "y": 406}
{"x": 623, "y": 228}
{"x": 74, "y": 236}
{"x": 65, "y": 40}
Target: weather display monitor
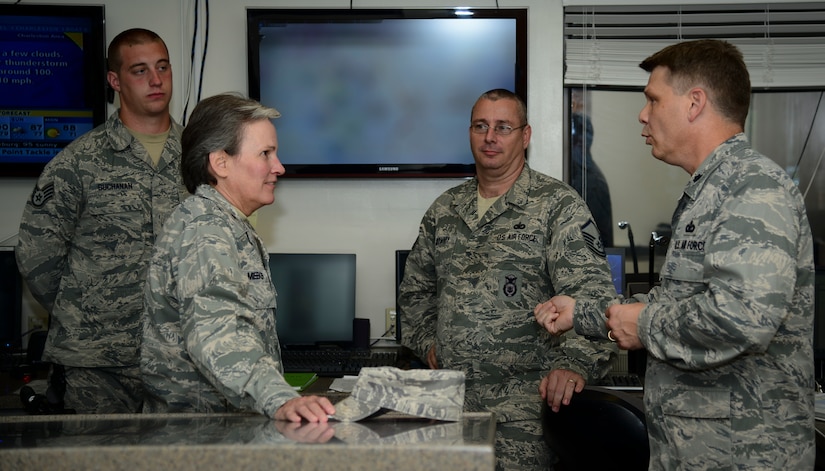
{"x": 52, "y": 81}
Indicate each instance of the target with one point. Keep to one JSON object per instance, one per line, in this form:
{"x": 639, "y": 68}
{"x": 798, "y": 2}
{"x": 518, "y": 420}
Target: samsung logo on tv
{"x": 388, "y": 169}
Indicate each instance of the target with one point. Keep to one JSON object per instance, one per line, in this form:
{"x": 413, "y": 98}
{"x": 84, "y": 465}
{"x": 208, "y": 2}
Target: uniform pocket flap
{"x": 688, "y": 267}
{"x": 699, "y": 403}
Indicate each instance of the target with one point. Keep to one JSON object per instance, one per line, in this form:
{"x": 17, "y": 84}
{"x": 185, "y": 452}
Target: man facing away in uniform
{"x": 87, "y": 231}
{"x": 729, "y": 382}
{"x": 488, "y": 251}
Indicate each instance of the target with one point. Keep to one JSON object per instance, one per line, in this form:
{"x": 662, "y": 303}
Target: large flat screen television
{"x": 366, "y": 92}
{"x": 52, "y": 81}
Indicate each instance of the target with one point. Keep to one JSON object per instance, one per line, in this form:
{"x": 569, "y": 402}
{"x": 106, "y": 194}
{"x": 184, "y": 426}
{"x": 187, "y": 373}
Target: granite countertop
{"x": 204, "y": 442}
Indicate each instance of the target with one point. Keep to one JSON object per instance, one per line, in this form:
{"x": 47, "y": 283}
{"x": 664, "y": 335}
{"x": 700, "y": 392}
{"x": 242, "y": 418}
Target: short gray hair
{"x": 504, "y": 94}
{"x": 217, "y": 123}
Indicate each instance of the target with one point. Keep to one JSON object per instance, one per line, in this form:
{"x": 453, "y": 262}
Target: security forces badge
{"x": 508, "y": 288}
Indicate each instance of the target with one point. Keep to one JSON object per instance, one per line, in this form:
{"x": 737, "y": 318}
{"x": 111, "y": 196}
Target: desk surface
{"x": 204, "y": 442}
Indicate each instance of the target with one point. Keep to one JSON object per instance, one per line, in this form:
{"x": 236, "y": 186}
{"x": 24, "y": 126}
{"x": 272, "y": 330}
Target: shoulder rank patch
{"x": 41, "y": 195}
{"x": 592, "y": 239}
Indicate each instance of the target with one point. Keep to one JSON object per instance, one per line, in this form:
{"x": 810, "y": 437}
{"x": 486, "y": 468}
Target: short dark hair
{"x": 130, "y": 37}
{"x": 217, "y": 123}
{"x": 504, "y": 94}
{"x": 715, "y": 65}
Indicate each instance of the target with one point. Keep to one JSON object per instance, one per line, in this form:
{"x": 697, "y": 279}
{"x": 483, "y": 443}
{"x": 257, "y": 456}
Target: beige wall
{"x": 371, "y": 218}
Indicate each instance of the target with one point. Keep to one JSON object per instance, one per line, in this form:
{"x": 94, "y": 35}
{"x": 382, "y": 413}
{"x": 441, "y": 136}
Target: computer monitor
{"x": 400, "y": 263}
{"x": 52, "y": 81}
{"x": 11, "y": 288}
{"x": 616, "y": 260}
{"x": 316, "y": 299}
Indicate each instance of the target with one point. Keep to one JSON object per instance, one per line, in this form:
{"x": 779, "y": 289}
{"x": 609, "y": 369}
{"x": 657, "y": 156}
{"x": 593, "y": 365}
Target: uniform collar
{"x": 518, "y": 195}
{"x": 724, "y": 152}
{"x": 210, "y": 193}
{"x": 122, "y": 140}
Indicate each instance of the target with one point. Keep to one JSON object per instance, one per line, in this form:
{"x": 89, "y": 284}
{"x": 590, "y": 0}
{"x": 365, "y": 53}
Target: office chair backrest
{"x": 600, "y": 429}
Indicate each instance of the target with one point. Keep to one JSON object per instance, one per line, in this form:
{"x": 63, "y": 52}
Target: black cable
{"x": 205, "y": 45}
{"x": 191, "y": 65}
{"x": 383, "y": 336}
{"x": 807, "y": 138}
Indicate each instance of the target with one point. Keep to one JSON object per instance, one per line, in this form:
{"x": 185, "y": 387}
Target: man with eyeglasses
{"x": 487, "y": 253}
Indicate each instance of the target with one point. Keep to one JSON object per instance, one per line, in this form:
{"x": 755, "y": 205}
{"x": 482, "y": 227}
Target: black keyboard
{"x": 335, "y": 362}
{"x": 627, "y": 381}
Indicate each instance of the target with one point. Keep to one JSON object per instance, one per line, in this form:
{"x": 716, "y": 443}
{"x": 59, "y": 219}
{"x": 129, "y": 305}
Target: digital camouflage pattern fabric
{"x": 86, "y": 237}
{"x": 209, "y": 339}
{"x": 729, "y": 382}
{"x": 433, "y": 394}
{"x": 470, "y": 287}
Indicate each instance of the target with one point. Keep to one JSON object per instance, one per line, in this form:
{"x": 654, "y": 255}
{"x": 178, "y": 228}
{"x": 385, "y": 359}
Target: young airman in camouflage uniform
{"x": 88, "y": 229}
{"x": 474, "y": 276}
{"x": 729, "y": 382}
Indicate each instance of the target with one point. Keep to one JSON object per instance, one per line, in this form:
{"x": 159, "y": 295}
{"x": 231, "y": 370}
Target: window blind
{"x": 783, "y": 44}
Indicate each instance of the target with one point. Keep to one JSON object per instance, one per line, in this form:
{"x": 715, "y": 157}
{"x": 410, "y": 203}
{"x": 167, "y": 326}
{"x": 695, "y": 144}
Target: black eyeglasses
{"x": 499, "y": 129}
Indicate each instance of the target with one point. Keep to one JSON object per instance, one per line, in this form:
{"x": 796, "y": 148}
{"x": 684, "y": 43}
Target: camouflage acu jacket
{"x": 86, "y": 237}
{"x": 729, "y": 381}
{"x": 470, "y": 287}
{"x": 209, "y": 339}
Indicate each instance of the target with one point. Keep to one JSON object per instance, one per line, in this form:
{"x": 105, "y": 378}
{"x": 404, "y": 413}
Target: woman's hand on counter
{"x": 309, "y": 408}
